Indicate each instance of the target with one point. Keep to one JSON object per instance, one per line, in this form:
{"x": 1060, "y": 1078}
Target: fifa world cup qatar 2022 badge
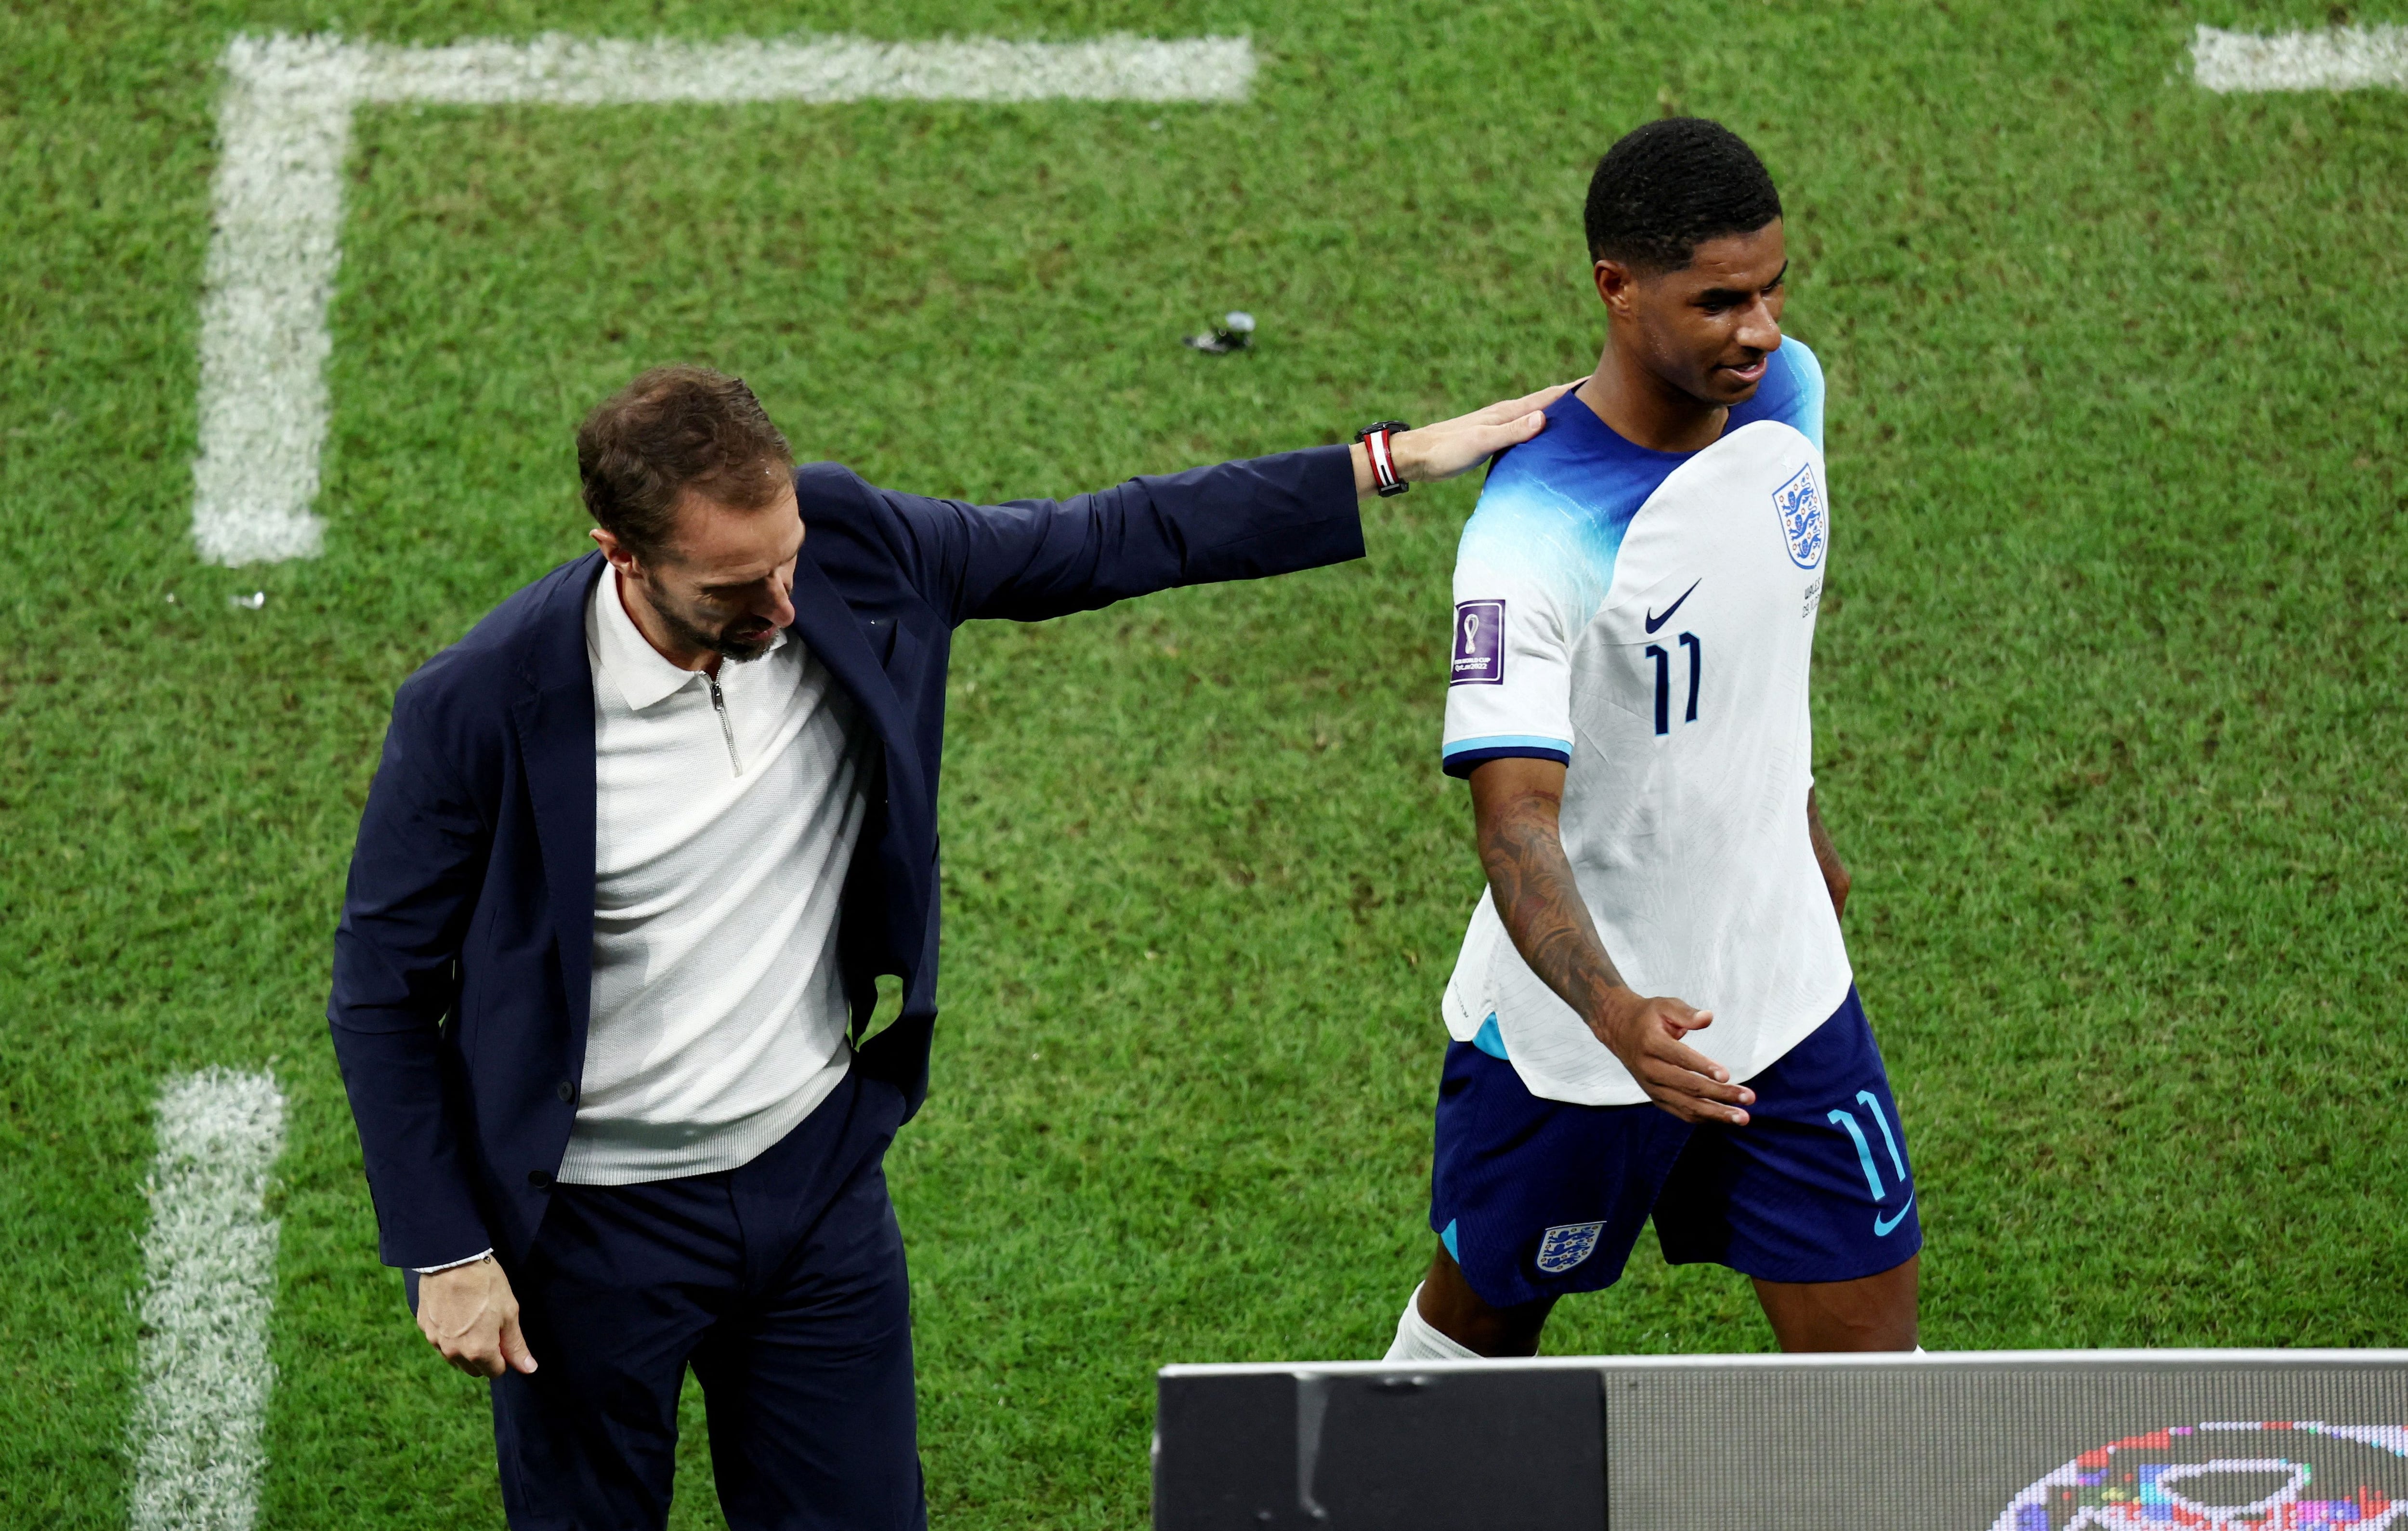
{"x": 1800, "y": 504}
{"x": 1561, "y": 1248}
{"x": 2261, "y": 1476}
{"x": 1479, "y": 643}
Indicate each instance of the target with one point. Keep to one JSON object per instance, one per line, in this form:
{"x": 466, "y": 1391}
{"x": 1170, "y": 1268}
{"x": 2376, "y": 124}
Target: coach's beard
{"x": 743, "y": 640}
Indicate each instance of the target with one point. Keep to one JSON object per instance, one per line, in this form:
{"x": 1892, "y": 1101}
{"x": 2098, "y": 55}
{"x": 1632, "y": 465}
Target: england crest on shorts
{"x": 1561, "y": 1248}
{"x": 1800, "y": 505}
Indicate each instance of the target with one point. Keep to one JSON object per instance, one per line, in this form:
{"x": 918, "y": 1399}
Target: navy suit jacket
{"x": 462, "y": 962}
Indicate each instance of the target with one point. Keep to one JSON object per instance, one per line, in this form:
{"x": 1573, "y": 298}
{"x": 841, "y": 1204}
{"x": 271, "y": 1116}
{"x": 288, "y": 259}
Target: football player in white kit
{"x": 1654, "y": 1013}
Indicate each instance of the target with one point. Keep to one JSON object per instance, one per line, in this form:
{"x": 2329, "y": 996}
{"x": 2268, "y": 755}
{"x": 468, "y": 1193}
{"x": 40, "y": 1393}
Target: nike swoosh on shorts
{"x": 1881, "y": 1229}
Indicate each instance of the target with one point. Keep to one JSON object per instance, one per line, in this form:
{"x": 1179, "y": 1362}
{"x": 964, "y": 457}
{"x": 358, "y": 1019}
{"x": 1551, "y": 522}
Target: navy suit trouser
{"x": 782, "y": 1283}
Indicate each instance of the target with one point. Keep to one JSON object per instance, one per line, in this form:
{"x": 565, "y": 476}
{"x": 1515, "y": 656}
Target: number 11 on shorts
{"x": 1846, "y": 1120}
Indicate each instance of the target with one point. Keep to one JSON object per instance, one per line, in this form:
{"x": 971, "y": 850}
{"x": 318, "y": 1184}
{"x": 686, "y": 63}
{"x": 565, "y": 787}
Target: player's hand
{"x": 1645, "y": 1033}
{"x": 1460, "y": 444}
{"x": 469, "y": 1313}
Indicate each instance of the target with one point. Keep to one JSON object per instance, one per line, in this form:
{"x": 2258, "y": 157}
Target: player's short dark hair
{"x": 1671, "y": 185}
{"x": 673, "y": 429}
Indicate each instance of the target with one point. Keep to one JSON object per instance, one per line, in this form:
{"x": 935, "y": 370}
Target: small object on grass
{"x": 172, "y": 601}
{"x": 250, "y": 602}
{"x": 1235, "y": 332}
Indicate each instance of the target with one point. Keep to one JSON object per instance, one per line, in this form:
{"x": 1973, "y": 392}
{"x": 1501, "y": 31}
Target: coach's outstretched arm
{"x": 1031, "y": 559}
{"x": 1515, "y": 804}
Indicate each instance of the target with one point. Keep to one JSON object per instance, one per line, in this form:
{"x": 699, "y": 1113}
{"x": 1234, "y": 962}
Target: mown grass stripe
{"x": 2341, "y": 58}
{"x": 211, "y": 1263}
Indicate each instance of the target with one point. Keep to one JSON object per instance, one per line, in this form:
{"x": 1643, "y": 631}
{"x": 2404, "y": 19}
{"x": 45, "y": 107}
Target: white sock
{"x": 1418, "y": 1341}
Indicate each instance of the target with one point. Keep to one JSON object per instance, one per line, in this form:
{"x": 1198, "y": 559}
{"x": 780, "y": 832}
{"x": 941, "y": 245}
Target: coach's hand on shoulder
{"x": 1645, "y": 1033}
{"x": 1460, "y": 444}
{"x": 469, "y": 1313}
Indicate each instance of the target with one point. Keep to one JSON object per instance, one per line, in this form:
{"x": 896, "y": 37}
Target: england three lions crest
{"x": 1561, "y": 1248}
{"x": 1800, "y": 505}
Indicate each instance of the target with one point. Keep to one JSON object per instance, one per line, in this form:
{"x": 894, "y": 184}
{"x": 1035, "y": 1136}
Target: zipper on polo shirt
{"x": 727, "y": 729}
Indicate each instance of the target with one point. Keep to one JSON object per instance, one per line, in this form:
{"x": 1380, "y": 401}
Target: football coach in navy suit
{"x": 639, "y": 848}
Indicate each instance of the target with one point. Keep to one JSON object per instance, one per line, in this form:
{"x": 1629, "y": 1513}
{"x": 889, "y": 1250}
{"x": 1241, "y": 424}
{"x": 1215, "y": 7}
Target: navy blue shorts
{"x": 1537, "y": 1198}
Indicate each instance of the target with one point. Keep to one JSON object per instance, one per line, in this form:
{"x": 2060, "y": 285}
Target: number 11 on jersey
{"x": 1664, "y": 680}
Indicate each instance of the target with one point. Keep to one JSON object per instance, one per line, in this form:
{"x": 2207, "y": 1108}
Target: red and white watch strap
{"x": 1379, "y": 445}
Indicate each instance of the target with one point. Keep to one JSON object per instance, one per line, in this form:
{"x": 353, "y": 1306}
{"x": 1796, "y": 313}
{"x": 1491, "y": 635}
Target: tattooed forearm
{"x": 1518, "y": 804}
{"x": 1531, "y": 882}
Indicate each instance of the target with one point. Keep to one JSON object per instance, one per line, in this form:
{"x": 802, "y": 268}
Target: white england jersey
{"x": 1648, "y": 618}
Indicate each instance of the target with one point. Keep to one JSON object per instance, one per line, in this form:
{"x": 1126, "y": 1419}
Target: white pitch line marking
{"x": 210, "y": 1261}
{"x": 284, "y": 128}
{"x": 2341, "y": 58}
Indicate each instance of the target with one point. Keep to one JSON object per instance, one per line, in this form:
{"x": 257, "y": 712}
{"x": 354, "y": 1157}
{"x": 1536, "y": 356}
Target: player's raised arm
{"x": 1515, "y": 802}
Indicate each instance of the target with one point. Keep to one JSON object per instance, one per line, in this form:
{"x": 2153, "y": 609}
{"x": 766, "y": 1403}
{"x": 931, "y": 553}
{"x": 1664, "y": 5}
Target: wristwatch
{"x": 1375, "y": 438}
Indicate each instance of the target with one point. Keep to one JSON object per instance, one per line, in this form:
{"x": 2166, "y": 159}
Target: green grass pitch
{"x": 2109, "y": 689}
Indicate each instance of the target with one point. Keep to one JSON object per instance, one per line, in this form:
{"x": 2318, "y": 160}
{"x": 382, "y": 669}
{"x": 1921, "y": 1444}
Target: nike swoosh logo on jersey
{"x": 1654, "y": 621}
{"x": 1884, "y": 1229}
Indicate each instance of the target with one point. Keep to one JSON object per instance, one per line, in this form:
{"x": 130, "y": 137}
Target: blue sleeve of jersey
{"x": 1462, "y": 759}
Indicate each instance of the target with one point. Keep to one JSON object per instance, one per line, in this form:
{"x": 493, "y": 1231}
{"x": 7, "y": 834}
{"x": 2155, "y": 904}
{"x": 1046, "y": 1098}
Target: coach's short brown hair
{"x": 673, "y": 429}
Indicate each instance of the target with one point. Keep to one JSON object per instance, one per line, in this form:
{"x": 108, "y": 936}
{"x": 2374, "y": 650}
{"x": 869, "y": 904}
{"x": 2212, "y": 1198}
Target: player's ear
{"x": 1615, "y": 281}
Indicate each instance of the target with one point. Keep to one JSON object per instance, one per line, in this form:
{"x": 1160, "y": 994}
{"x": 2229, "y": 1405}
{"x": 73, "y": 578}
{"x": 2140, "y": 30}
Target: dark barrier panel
{"x": 2265, "y": 1440}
